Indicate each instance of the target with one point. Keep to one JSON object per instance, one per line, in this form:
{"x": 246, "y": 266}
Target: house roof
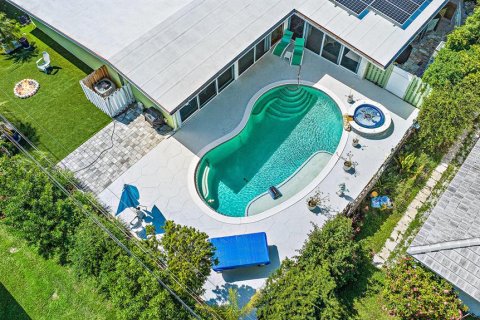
{"x": 449, "y": 241}
{"x": 169, "y": 49}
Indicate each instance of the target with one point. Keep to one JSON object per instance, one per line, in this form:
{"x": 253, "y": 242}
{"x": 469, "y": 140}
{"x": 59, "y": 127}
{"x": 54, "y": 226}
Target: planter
{"x": 347, "y": 165}
{"x": 356, "y": 143}
{"x": 311, "y": 207}
{"x": 350, "y": 99}
{"x": 24, "y": 42}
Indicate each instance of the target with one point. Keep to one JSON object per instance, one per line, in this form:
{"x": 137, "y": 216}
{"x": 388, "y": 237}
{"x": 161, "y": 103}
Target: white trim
{"x": 299, "y": 196}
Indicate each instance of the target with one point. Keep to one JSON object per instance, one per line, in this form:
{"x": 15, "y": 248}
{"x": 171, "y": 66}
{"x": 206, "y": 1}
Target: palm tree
{"x": 8, "y": 29}
{"x": 232, "y": 310}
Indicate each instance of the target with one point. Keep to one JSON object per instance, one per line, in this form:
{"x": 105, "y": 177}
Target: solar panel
{"x": 356, "y": 6}
{"x": 398, "y": 11}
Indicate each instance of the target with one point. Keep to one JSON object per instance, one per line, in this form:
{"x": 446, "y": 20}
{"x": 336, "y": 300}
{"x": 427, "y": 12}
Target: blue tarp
{"x": 129, "y": 198}
{"x": 241, "y": 251}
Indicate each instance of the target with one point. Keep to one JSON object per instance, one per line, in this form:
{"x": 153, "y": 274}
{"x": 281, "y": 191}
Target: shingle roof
{"x": 449, "y": 241}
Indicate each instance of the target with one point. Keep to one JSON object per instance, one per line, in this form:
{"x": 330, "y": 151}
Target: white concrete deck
{"x": 162, "y": 175}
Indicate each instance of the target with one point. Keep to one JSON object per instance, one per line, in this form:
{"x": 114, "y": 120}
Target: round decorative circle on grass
{"x": 26, "y": 88}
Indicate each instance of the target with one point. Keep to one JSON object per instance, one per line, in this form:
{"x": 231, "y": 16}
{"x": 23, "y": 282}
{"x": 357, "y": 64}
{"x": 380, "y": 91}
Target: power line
{"x": 101, "y": 226}
{"x": 102, "y": 209}
{"x": 108, "y": 215}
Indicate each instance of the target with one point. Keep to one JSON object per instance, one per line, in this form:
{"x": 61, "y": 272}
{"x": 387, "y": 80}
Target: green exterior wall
{"x": 94, "y": 62}
{"x": 148, "y": 103}
{"x": 86, "y": 57}
{"x": 378, "y": 76}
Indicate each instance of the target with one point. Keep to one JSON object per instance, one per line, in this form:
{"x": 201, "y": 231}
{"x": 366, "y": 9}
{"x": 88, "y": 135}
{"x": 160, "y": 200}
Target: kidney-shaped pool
{"x": 287, "y": 126}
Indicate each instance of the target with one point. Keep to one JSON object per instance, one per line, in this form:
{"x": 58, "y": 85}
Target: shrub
{"x": 36, "y": 208}
{"x": 413, "y": 292}
{"x": 308, "y": 286}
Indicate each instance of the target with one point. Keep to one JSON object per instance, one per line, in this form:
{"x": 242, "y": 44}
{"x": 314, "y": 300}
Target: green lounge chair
{"x": 282, "y": 45}
{"x": 297, "y": 56}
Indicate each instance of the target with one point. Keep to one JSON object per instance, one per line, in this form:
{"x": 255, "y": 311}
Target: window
{"x": 350, "y": 60}
{"x": 225, "y": 79}
{"x": 260, "y": 49}
{"x": 277, "y": 34}
{"x": 189, "y": 109}
{"x": 296, "y": 26}
{"x": 245, "y": 62}
{"x": 207, "y": 94}
{"x": 331, "y": 49}
{"x": 314, "y": 39}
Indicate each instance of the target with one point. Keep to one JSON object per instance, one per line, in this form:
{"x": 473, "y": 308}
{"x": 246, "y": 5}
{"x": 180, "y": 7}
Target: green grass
{"x": 58, "y": 118}
{"x": 34, "y": 288}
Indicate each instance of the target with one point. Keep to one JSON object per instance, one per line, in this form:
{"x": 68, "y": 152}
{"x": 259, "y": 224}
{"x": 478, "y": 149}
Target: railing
{"x": 349, "y": 211}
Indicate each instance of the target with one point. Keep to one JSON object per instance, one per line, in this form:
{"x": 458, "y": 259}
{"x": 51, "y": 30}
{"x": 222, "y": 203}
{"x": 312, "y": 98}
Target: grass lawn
{"x": 58, "y": 118}
{"x": 34, "y": 288}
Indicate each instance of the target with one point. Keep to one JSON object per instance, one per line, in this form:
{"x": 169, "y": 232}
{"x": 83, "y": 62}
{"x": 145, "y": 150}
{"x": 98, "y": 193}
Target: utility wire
{"x": 96, "y": 205}
{"x": 159, "y": 261}
{"x": 100, "y": 225}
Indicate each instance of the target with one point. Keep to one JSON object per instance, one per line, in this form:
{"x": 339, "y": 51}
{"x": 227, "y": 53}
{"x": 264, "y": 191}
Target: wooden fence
{"x": 112, "y": 104}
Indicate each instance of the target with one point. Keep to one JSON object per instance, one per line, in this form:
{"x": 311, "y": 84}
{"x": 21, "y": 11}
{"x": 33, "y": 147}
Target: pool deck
{"x": 163, "y": 176}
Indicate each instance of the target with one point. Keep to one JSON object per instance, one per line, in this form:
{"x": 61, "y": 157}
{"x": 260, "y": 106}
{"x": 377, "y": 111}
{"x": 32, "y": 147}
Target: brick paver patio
{"x": 109, "y": 153}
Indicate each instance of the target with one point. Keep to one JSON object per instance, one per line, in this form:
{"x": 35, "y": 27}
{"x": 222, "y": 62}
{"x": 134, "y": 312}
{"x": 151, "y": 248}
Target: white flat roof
{"x": 170, "y": 49}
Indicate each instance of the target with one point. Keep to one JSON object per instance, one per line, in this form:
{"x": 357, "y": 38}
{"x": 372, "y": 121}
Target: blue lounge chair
{"x": 297, "y": 56}
{"x": 282, "y": 45}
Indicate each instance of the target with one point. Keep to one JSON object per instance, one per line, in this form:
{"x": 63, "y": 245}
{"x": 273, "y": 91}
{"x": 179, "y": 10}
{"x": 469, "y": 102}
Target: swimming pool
{"x": 287, "y": 125}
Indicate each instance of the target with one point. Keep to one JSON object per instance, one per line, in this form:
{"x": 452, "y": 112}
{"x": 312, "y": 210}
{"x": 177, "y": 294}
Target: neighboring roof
{"x": 449, "y": 241}
{"x": 238, "y": 251}
{"x": 169, "y": 49}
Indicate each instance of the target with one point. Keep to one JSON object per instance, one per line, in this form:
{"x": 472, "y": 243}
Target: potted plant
{"x": 342, "y": 188}
{"x": 350, "y": 98}
{"x": 356, "y": 142}
{"x": 316, "y": 200}
{"x": 348, "y": 163}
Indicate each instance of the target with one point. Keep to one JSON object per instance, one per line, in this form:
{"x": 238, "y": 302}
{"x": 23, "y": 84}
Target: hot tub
{"x": 369, "y": 117}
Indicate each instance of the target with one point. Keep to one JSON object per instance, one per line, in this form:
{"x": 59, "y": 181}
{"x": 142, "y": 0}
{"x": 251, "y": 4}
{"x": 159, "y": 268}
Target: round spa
{"x": 290, "y": 129}
{"x": 369, "y": 117}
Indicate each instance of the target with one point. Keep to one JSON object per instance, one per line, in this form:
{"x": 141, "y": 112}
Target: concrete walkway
{"x": 397, "y": 234}
{"x": 109, "y": 153}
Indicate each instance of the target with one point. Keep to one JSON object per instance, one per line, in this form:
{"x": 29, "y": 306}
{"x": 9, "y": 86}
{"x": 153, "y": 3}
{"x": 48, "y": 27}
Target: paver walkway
{"x": 397, "y": 234}
{"x": 104, "y": 157}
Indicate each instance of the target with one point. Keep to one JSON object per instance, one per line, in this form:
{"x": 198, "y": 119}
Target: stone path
{"x": 397, "y": 234}
{"x": 104, "y": 157}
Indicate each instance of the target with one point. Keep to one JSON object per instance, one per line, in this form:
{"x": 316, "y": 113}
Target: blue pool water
{"x": 287, "y": 125}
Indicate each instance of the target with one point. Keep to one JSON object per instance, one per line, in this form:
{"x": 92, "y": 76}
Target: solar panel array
{"x": 399, "y": 11}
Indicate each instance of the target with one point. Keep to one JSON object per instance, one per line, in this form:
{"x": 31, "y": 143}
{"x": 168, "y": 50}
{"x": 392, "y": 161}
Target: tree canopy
{"x": 308, "y": 286}
{"x": 453, "y": 105}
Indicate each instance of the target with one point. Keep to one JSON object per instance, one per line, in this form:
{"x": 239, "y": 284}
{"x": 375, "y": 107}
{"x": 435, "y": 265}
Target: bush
{"x": 57, "y": 225}
{"x": 453, "y": 105}
{"x": 308, "y": 286}
{"x": 413, "y": 292}
{"x": 36, "y": 208}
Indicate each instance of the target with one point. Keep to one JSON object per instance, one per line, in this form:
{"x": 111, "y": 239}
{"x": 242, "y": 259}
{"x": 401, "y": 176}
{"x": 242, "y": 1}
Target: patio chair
{"x": 282, "y": 45}
{"x": 297, "y": 56}
{"x": 138, "y": 219}
{"x": 43, "y": 64}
